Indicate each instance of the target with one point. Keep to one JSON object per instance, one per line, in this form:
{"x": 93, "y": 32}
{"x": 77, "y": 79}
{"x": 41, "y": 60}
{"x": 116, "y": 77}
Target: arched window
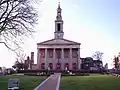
{"x": 51, "y": 66}
{"x": 58, "y": 66}
{"x": 66, "y": 66}
{"x": 42, "y": 65}
{"x": 74, "y": 66}
{"x": 58, "y": 26}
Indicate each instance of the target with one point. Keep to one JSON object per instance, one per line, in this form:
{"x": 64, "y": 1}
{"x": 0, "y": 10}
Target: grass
{"x": 26, "y": 82}
{"x": 94, "y": 82}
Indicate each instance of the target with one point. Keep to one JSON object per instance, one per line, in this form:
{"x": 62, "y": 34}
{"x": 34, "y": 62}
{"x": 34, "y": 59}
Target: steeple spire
{"x": 59, "y": 10}
{"x": 59, "y": 4}
{"x": 59, "y": 24}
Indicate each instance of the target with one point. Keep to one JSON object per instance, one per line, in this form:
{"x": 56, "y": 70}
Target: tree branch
{"x": 9, "y": 47}
{"x": 17, "y": 18}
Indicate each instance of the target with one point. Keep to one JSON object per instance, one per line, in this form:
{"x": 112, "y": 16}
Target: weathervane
{"x": 58, "y": 3}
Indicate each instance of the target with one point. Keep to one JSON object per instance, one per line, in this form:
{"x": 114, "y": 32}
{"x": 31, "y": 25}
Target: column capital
{"x": 70, "y": 48}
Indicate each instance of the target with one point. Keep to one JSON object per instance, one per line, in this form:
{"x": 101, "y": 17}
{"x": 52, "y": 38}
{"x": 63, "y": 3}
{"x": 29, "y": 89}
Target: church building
{"x": 58, "y": 53}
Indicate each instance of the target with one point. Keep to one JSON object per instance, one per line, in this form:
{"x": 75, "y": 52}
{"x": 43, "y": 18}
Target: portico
{"x": 59, "y": 54}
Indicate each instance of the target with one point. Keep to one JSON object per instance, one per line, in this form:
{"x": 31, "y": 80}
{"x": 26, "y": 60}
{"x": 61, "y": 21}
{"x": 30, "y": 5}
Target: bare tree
{"x": 17, "y": 18}
{"x": 20, "y": 61}
{"x": 21, "y": 57}
{"x": 116, "y": 63}
{"x": 98, "y": 55}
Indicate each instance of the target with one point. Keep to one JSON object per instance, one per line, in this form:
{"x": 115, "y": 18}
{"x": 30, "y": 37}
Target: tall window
{"x": 58, "y": 54}
{"x": 74, "y": 54}
{"x": 58, "y": 26}
{"x": 42, "y": 53}
{"x": 66, "y": 53}
{"x": 50, "y": 53}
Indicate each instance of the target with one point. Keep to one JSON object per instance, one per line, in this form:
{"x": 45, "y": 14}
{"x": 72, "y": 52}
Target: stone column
{"x": 38, "y": 58}
{"x": 46, "y": 63}
{"x": 54, "y": 61}
{"x": 62, "y": 54}
{"x": 79, "y": 62}
{"x": 62, "y": 58}
{"x": 70, "y": 63}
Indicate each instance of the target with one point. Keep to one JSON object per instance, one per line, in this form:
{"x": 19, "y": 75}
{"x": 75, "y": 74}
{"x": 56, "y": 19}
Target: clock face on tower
{"x": 59, "y": 35}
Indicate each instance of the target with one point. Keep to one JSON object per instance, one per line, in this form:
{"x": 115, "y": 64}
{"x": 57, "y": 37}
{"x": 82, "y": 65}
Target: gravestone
{"x": 13, "y": 84}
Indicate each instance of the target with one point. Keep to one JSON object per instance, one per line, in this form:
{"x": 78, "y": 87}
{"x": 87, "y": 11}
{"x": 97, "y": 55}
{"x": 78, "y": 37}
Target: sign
{"x": 13, "y": 84}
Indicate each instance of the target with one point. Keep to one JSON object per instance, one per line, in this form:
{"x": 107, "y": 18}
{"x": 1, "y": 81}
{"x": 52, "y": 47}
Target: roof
{"x": 58, "y": 41}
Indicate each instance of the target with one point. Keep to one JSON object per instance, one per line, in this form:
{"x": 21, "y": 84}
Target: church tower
{"x": 58, "y": 34}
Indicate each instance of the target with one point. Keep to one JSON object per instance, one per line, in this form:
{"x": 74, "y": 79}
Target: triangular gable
{"x": 58, "y": 41}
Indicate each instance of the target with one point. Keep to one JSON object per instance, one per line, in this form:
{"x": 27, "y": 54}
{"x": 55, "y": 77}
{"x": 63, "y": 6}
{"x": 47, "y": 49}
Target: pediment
{"x": 58, "y": 41}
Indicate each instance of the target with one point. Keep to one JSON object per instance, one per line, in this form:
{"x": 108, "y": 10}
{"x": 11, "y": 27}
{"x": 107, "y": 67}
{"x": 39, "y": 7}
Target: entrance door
{"x": 58, "y": 66}
{"x": 66, "y": 66}
{"x": 51, "y": 66}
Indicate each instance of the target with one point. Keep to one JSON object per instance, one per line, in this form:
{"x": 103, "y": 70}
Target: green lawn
{"x": 94, "y": 82}
{"x": 26, "y": 82}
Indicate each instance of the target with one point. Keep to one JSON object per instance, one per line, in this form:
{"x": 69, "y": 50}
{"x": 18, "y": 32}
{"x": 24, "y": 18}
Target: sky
{"x": 93, "y": 23}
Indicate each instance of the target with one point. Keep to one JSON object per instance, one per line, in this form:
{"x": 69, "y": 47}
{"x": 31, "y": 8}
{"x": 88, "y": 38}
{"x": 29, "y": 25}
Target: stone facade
{"x": 58, "y": 53}
{"x": 65, "y": 54}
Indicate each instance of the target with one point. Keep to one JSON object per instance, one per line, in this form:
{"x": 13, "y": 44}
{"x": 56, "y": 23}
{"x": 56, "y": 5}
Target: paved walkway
{"x": 51, "y": 83}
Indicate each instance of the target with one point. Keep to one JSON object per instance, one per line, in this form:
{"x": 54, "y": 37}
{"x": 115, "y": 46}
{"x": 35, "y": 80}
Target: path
{"x": 51, "y": 83}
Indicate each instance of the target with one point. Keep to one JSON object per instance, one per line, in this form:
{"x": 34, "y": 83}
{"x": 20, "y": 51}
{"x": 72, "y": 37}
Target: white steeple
{"x": 58, "y": 34}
